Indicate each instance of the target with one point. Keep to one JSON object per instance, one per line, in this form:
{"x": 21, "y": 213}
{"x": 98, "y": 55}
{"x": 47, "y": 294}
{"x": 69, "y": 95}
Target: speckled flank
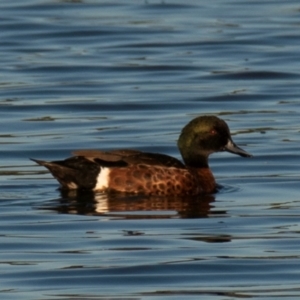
{"x": 157, "y": 180}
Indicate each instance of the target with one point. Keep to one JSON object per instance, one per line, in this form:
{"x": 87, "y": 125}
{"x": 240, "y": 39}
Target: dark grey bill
{"x": 233, "y": 148}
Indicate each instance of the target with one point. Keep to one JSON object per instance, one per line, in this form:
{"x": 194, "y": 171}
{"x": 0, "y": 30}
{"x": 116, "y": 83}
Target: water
{"x": 116, "y": 74}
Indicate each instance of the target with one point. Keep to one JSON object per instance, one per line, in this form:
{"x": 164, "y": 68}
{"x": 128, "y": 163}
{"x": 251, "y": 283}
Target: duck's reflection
{"x": 127, "y": 206}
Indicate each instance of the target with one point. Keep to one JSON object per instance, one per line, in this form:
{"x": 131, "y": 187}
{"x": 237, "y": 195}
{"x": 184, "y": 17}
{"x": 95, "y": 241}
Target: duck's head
{"x": 204, "y": 135}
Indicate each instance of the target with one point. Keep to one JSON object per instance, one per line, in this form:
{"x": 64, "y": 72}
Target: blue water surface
{"x": 130, "y": 74}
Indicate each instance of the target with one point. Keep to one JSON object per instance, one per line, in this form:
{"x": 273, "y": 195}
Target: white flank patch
{"x": 72, "y": 186}
{"x": 102, "y": 180}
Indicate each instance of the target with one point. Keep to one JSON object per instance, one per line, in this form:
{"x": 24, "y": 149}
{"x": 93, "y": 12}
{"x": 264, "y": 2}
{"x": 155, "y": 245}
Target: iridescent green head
{"x": 203, "y": 136}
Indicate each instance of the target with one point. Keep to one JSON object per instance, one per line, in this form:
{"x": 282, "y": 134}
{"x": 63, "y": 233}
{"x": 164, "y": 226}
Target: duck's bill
{"x": 233, "y": 148}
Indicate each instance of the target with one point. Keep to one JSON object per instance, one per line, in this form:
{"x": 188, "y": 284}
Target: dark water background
{"x": 119, "y": 74}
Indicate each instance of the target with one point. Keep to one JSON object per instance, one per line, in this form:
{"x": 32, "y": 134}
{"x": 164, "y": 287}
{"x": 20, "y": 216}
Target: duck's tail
{"x": 73, "y": 173}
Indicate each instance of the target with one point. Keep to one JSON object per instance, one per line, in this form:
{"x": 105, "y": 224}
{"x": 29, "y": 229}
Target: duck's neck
{"x": 196, "y": 161}
{"x": 198, "y": 165}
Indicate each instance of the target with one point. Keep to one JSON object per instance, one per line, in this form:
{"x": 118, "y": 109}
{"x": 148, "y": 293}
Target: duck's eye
{"x": 213, "y": 132}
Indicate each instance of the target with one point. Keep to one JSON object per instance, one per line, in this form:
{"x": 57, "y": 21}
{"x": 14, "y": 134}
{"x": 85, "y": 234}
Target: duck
{"x": 146, "y": 173}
